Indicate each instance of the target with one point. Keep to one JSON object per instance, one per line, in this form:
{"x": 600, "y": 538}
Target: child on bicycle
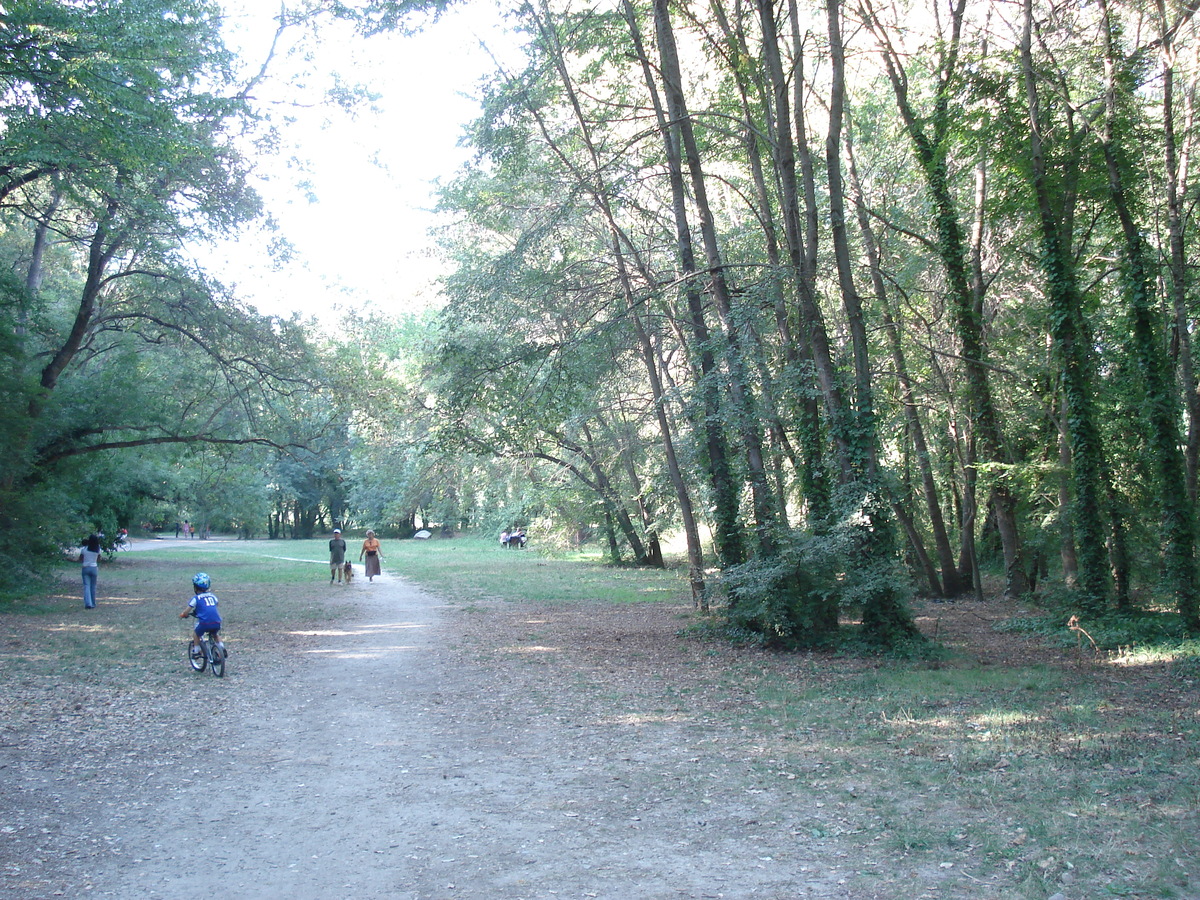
{"x": 204, "y": 607}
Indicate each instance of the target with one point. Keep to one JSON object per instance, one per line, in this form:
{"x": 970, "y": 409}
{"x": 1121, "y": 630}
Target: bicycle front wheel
{"x": 198, "y": 662}
{"x": 218, "y": 659}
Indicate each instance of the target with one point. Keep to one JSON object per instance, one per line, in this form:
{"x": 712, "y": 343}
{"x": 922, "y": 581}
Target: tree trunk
{"x": 654, "y": 556}
{"x": 810, "y": 466}
{"x": 784, "y": 157}
{"x": 886, "y": 619}
{"x": 1176, "y": 178}
{"x": 1072, "y": 349}
{"x": 950, "y": 584}
{"x": 727, "y": 530}
{"x": 931, "y": 151}
{"x": 745, "y": 409}
{"x": 1161, "y": 413}
{"x": 1070, "y": 560}
{"x": 102, "y": 248}
{"x": 614, "y": 547}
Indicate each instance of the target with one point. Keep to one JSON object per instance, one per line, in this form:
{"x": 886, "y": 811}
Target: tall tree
{"x": 1161, "y": 400}
{"x": 1071, "y": 341}
{"x": 121, "y": 134}
{"x": 885, "y": 617}
{"x": 930, "y": 133}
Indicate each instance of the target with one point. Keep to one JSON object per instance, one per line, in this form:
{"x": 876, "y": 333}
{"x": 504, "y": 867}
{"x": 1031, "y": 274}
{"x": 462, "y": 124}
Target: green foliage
{"x": 529, "y": 395}
{"x": 536, "y": 362}
{"x": 795, "y": 599}
{"x": 123, "y": 128}
{"x": 785, "y": 601}
{"x": 1143, "y": 630}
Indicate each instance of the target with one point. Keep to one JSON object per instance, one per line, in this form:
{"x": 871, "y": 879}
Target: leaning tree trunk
{"x": 727, "y": 527}
{"x": 600, "y": 198}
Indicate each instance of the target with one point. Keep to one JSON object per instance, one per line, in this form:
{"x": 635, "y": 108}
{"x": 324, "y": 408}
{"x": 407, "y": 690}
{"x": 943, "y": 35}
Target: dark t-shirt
{"x": 337, "y": 551}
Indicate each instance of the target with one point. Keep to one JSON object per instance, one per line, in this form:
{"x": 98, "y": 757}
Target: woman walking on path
{"x": 370, "y": 549}
{"x": 89, "y": 556}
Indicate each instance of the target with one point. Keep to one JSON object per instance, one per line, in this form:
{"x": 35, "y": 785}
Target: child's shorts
{"x": 202, "y": 627}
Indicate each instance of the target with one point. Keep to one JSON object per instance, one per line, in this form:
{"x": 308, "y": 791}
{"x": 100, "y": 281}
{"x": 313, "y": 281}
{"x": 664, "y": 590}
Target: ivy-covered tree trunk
{"x": 1072, "y": 349}
{"x": 738, "y": 327}
{"x": 886, "y": 619}
{"x": 949, "y": 584}
{"x": 810, "y": 463}
{"x": 779, "y": 127}
{"x": 1067, "y": 554}
{"x": 1160, "y": 407}
{"x": 929, "y": 135}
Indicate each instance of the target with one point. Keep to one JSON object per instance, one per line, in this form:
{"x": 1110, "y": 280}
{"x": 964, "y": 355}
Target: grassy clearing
{"x": 467, "y": 569}
{"x": 136, "y": 628}
{"x": 279, "y": 587}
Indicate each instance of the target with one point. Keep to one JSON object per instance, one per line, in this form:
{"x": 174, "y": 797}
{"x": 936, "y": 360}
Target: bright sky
{"x": 360, "y": 235}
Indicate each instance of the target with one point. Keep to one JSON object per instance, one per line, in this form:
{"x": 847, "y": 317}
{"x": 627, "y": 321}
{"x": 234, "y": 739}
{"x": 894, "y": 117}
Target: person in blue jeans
{"x": 204, "y": 607}
{"x": 89, "y": 556}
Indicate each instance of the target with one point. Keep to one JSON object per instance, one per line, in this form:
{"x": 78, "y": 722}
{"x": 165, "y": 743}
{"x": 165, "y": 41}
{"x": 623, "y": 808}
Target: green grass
{"x": 467, "y": 568}
{"x": 140, "y": 595}
{"x": 279, "y": 586}
{"x": 1035, "y": 774}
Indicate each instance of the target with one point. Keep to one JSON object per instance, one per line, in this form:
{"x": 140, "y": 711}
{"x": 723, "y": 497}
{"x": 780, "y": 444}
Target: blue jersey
{"x": 205, "y": 607}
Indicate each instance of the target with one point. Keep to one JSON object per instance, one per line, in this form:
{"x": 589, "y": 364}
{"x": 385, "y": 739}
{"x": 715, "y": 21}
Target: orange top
{"x": 371, "y": 544}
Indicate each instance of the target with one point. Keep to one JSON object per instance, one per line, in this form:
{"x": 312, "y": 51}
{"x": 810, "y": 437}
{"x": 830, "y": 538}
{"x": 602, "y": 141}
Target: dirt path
{"x": 397, "y": 755}
{"x": 414, "y": 749}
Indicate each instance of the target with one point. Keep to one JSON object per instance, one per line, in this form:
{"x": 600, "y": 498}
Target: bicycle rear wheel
{"x": 218, "y": 659}
{"x": 198, "y": 662}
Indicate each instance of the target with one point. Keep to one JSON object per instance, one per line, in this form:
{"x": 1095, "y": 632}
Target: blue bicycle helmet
{"x": 202, "y": 581}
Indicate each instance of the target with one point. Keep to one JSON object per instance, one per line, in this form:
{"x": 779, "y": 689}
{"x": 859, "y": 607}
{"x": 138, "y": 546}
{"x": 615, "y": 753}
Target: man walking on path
{"x": 337, "y": 555}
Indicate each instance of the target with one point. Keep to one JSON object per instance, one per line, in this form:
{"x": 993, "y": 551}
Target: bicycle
{"x": 111, "y": 550}
{"x": 212, "y": 654}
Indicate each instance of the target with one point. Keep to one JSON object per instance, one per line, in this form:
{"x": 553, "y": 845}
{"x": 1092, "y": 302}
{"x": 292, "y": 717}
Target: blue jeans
{"x": 89, "y": 586}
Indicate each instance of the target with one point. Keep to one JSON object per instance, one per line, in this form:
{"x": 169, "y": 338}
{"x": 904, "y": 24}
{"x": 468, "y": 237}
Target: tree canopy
{"x": 885, "y": 281}
{"x": 122, "y": 146}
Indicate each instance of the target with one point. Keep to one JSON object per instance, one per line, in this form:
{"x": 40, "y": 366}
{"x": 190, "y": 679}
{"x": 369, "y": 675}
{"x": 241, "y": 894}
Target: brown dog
{"x": 348, "y": 572}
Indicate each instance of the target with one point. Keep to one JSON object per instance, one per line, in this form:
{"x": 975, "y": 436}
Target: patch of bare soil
{"x": 423, "y": 750}
{"x": 968, "y": 627}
